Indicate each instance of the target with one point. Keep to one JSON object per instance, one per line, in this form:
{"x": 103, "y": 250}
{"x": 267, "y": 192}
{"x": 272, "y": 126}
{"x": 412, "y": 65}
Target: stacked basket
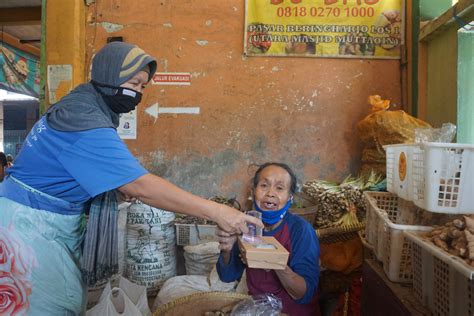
{"x": 388, "y": 216}
{"x": 443, "y": 178}
{"x": 439, "y": 178}
{"x": 444, "y": 283}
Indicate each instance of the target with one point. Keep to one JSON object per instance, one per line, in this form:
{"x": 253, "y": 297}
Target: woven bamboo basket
{"x": 308, "y": 213}
{"x": 200, "y": 303}
{"x": 306, "y": 207}
{"x": 341, "y": 233}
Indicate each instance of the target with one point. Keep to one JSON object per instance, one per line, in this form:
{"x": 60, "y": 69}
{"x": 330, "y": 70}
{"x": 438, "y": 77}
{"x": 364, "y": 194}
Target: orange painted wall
{"x": 301, "y": 111}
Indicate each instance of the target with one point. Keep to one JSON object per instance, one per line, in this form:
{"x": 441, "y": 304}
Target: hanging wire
{"x": 461, "y": 22}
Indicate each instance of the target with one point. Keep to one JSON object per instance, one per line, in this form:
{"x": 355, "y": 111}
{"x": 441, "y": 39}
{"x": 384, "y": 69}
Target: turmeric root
{"x": 470, "y": 242}
{"x": 459, "y": 224}
{"x": 454, "y": 252}
{"x": 440, "y": 243}
{"x": 454, "y": 233}
{"x": 469, "y": 223}
{"x": 435, "y": 232}
{"x": 444, "y": 234}
{"x": 460, "y": 241}
{"x": 456, "y": 237}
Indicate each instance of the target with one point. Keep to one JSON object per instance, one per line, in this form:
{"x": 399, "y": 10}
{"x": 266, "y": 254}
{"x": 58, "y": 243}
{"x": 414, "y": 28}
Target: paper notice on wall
{"x": 59, "y": 81}
{"x": 127, "y": 128}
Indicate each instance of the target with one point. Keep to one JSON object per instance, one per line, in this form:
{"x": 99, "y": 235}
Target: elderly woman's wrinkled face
{"x": 137, "y": 82}
{"x": 273, "y": 188}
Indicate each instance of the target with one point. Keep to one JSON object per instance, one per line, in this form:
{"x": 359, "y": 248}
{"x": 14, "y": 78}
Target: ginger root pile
{"x": 456, "y": 237}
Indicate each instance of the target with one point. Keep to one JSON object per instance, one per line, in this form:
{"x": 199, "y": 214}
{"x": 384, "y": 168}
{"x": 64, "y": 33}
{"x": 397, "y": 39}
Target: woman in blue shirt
{"x": 73, "y": 154}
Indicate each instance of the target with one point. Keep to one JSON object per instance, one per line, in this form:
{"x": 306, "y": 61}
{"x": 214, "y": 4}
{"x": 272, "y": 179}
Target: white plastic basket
{"x": 442, "y": 282}
{"x": 395, "y": 216}
{"x": 443, "y": 178}
{"x": 368, "y": 248}
{"x": 374, "y": 218}
{"x": 193, "y": 234}
{"x": 399, "y": 169}
{"x": 397, "y": 250}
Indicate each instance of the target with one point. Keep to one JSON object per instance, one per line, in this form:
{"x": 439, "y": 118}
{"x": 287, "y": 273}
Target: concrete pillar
{"x": 65, "y": 46}
{"x": 465, "y": 84}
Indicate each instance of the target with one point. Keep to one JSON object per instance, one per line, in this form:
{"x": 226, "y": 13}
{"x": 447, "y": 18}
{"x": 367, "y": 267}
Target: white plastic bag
{"x": 127, "y": 299}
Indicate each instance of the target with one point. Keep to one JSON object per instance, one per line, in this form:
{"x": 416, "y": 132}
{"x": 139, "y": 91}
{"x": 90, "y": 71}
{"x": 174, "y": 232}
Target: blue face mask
{"x": 272, "y": 217}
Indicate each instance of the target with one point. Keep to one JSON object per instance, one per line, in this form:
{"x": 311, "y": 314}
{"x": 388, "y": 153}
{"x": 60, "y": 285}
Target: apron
{"x": 39, "y": 253}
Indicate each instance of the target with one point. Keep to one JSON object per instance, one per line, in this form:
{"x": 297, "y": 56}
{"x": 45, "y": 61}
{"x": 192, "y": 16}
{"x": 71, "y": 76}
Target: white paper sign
{"x": 56, "y": 75}
{"x": 127, "y": 128}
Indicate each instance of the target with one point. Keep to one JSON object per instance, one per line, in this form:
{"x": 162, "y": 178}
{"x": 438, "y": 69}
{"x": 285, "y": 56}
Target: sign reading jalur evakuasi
{"x": 324, "y": 28}
{"x": 172, "y": 78}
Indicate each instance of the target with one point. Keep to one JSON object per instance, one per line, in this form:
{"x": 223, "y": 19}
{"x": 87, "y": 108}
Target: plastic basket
{"x": 399, "y": 169}
{"x": 383, "y": 201}
{"x": 397, "y": 262}
{"x": 368, "y": 249}
{"x": 395, "y": 216}
{"x": 444, "y": 283}
{"x": 443, "y": 178}
{"x": 193, "y": 234}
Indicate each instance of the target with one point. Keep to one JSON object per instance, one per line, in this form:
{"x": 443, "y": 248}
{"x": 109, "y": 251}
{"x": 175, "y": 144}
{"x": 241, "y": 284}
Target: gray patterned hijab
{"x": 83, "y": 108}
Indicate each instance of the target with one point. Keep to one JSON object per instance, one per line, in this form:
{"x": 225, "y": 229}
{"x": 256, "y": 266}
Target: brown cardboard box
{"x": 274, "y": 258}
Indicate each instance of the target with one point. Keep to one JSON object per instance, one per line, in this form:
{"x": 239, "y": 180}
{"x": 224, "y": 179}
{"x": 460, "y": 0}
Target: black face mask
{"x": 123, "y": 100}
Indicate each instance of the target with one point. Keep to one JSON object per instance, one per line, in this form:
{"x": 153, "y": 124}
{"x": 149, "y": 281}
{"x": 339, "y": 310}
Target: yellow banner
{"x": 324, "y": 28}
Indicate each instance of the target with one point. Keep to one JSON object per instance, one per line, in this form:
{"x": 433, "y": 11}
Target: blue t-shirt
{"x": 75, "y": 166}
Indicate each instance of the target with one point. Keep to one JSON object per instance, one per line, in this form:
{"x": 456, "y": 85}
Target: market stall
{"x": 241, "y": 157}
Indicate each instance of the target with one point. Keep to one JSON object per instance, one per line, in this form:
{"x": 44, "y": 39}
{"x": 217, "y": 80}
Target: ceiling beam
{"x": 20, "y": 16}
{"x": 15, "y": 42}
{"x": 461, "y": 12}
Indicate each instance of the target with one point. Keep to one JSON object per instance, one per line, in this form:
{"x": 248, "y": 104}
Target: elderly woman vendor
{"x": 73, "y": 154}
{"x": 273, "y": 187}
